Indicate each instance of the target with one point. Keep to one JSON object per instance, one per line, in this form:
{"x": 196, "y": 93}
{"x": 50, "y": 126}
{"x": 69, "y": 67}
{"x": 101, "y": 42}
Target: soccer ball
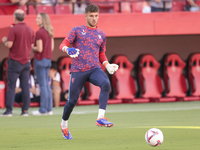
{"x": 154, "y": 137}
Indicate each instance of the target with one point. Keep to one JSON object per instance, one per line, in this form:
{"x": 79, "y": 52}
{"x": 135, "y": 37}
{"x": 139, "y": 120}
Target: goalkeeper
{"x": 88, "y": 49}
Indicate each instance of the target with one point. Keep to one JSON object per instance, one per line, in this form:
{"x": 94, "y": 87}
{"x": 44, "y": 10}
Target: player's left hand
{"x": 112, "y": 68}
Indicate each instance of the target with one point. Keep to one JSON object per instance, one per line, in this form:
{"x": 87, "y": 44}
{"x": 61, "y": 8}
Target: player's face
{"x": 39, "y": 20}
{"x": 92, "y": 19}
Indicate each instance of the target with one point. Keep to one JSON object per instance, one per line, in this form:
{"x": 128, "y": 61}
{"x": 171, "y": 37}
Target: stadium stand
{"x": 152, "y": 86}
{"x": 175, "y": 82}
{"x": 194, "y": 74}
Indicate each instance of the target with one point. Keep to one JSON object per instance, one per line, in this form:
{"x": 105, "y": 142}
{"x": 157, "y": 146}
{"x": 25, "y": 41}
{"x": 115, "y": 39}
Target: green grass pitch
{"x": 179, "y": 122}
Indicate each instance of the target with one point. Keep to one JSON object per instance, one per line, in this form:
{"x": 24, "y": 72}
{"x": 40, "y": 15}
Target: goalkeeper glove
{"x": 72, "y": 52}
{"x": 111, "y": 68}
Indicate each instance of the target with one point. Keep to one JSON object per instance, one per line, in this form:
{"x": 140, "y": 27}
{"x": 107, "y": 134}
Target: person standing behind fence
{"x": 43, "y": 48}
{"x": 20, "y": 42}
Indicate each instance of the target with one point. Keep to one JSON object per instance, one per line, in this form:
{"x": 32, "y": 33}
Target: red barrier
{"x": 127, "y": 24}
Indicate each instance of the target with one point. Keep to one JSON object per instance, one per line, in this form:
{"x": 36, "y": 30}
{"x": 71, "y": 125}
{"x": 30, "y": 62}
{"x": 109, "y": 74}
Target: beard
{"x": 92, "y": 25}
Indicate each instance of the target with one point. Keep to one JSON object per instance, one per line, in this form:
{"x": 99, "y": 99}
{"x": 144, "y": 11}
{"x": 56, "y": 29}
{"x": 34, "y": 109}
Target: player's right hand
{"x": 72, "y": 52}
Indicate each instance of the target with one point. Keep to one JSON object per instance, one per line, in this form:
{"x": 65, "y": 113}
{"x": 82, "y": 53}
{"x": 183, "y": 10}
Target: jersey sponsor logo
{"x": 73, "y": 79}
{"x": 83, "y": 33}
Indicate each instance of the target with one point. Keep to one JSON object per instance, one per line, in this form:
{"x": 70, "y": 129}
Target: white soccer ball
{"x": 154, "y": 137}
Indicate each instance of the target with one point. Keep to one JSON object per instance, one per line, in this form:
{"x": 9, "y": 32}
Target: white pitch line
{"x": 138, "y": 110}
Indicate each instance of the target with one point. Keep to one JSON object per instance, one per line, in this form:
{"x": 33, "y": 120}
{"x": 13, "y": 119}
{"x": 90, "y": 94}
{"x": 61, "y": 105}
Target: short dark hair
{"x": 19, "y": 16}
{"x": 91, "y": 8}
{"x": 54, "y": 65}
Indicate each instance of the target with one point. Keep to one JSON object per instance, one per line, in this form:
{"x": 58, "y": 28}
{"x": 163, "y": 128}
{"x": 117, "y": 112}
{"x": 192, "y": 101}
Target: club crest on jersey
{"x": 99, "y": 36}
{"x": 73, "y": 79}
{"x": 83, "y": 33}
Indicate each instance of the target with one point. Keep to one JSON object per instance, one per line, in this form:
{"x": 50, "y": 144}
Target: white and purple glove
{"x": 72, "y": 52}
{"x": 111, "y": 68}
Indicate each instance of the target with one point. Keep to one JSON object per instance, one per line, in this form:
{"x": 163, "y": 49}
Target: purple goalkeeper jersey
{"x": 90, "y": 41}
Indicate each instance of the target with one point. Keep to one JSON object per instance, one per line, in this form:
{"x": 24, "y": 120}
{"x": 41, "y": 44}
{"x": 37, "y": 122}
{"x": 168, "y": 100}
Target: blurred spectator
{"x": 191, "y": 6}
{"x": 146, "y": 7}
{"x": 44, "y": 45}
{"x": 46, "y": 2}
{"x": 79, "y": 6}
{"x": 160, "y": 5}
{"x": 55, "y": 83}
{"x": 19, "y": 61}
{"x": 34, "y": 95}
{"x": 50, "y": 2}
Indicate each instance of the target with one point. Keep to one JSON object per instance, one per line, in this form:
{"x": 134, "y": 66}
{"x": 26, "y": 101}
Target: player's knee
{"x": 72, "y": 104}
{"x": 73, "y": 100}
{"x": 105, "y": 86}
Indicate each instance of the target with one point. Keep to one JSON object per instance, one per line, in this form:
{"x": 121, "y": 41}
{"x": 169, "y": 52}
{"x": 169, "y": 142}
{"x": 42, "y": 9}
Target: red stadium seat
{"x": 178, "y": 5}
{"x": 62, "y": 9}
{"x": 194, "y": 73}
{"x": 29, "y": 10}
{"x": 198, "y": 3}
{"x": 64, "y": 69}
{"x": 45, "y": 9}
{"x": 124, "y": 86}
{"x": 176, "y": 83}
{"x": 149, "y": 81}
